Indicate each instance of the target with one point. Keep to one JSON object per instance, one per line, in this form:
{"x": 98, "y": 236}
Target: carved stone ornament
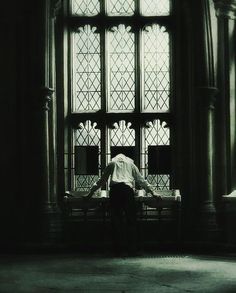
{"x": 56, "y": 5}
{"x": 46, "y": 94}
{"x": 109, "y": 119}
{"x": 225, "y": 8}
{"x": 207, "y": 96}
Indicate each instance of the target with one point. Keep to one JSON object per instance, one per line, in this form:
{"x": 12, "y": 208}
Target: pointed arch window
{"x": 120, "y": 85}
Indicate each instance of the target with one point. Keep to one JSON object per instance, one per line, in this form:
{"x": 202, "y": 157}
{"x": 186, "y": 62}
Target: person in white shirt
{"x": 123, "y": 174}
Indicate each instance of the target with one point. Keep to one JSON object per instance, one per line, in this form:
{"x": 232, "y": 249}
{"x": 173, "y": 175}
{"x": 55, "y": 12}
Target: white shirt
{"x": 122, "y": 169}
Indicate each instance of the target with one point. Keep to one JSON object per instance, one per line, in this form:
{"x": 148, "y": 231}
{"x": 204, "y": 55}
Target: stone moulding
{"x": 225, "y": 8}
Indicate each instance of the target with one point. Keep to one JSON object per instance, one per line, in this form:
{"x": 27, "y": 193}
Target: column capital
{"x": 207, "y": 96}
{"x": 225, "y": 8}
{"x": 45, "y": 96}
{"x": 55, "y": 8}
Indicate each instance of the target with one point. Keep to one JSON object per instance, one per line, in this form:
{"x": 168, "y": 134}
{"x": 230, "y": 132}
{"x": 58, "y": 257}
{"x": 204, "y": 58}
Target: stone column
{"x": 45, "y": 97}
{"x": 52, "y": 9}
{"x": 207, "y": 213}
{"x": 226, "y": 118}
{"x": 226, "y": 107}
{"x": 205, "y": 91}
{"x": 47, "y": 14}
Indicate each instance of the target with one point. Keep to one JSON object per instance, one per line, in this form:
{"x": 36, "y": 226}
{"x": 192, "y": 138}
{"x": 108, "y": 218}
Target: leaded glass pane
{"x": 161, "y": 182}
{"x": 86, "y": 135}
{"x": 85, "y": 182}
{"x": 86, "y": 70}
{"x": 157, "y": 7}
{"x": 120, "y": 7}
{"x": 156, "y": 69}
{"x": 85, "y": 7}
{"x": 121, "y": 60}
{"x": 155, "y": 133}
{"x": 122, "y": 134}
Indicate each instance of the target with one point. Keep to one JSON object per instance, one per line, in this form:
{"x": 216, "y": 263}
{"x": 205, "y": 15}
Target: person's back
{"x": 122, "y": 202}
{"x": 123, "y": 175}
{"x": 122, "y": 170}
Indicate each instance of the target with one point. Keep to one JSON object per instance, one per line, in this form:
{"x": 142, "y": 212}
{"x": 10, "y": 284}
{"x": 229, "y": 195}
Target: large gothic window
{"x": 120, "y": 89}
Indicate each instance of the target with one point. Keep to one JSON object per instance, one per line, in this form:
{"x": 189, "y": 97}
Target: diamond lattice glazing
{"x": 156, "y": 69}
{"x": 161, "y": 182}
{"x": 87, "y": 70}
{"x": 121, "y": 59}
{"x": 85, "y": 7}
{"x": 156, "y": 133}
{"x": 85, "y": 182}
{"x": 158, "y": 7}
{"x": 122, "y": 134}
{"x": 119, "y": 50}
{"x": 86, "y": 135}
{"x": 120, "y": 7}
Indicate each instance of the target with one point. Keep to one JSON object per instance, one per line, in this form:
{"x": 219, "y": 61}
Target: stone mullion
{"x": 104, "y": 146}
{"x": 138, "y": 90}
{"x": 232, "y": 103}
{"x": 104, "y": 93}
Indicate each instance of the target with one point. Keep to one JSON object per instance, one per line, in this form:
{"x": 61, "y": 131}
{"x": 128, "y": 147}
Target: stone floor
{"x": 103, "y": 273}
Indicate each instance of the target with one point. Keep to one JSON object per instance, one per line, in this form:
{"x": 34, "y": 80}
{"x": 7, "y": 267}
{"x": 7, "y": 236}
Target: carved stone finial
{"x": 46, "y": 93}
{"x": 207, "y": 96}
{"x": 225, "y": 8}
{"x": 56, "y": 5}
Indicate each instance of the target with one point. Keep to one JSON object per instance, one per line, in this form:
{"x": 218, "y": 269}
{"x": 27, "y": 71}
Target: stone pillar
{"x": 226, "y": 106}
{"x": 205, "y": 91}
{"x": 47, "y": 15}
{"x": 226, "y": 118}
{"x": 207, "y": 213}
{"x": 45, "y": 97}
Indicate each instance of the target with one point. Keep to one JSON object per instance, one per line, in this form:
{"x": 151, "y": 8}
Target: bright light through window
{"x": 120, "y": 84}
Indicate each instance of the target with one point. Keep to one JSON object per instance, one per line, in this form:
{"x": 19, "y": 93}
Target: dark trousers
{"x": 123, "y": 217}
